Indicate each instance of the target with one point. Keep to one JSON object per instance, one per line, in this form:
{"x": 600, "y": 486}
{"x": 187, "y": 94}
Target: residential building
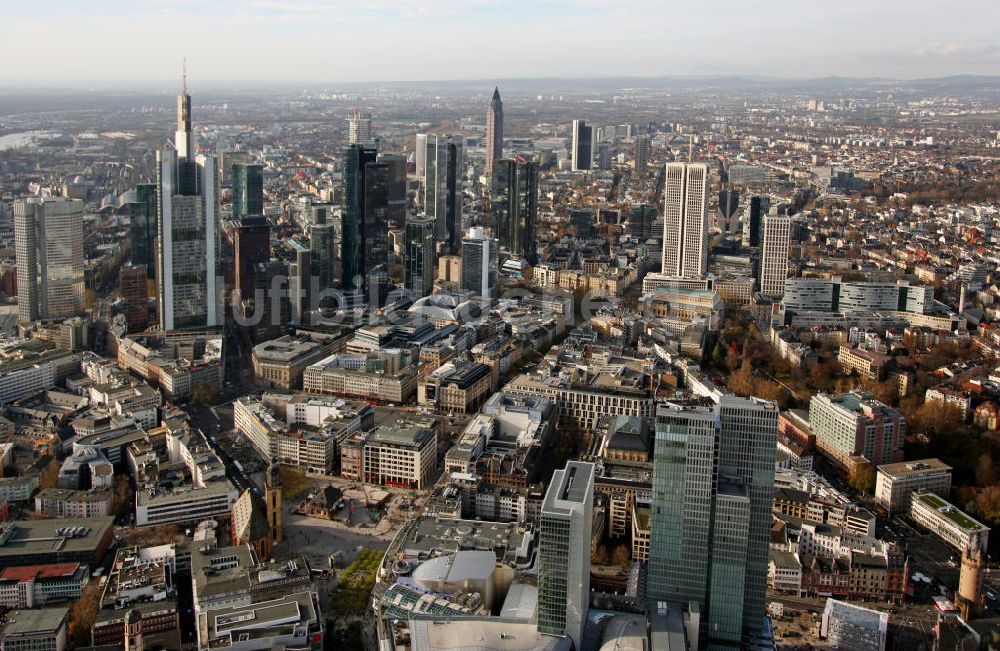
{"x": 563, "y": 553}
{"x": 895, "y": 482}
{"x": 685, "y": 220}
{"x": 866, "y": 363}
{"x": 852, "y": 425}
{"x": 774, "y": 255}
{"x": 48, "y": 234}
{"x": 63, "y": 503}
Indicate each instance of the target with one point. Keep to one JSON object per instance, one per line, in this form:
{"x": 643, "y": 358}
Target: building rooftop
{"x": 25, "y": 537}
{"x": 907, "y": 468}
{"x": 27, "y": 622}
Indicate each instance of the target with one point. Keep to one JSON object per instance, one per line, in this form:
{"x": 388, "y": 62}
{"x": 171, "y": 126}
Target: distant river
{"x": 12, "y": 140}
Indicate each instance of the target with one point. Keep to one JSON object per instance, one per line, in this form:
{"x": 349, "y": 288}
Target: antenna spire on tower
{"x": 184, "y": 75}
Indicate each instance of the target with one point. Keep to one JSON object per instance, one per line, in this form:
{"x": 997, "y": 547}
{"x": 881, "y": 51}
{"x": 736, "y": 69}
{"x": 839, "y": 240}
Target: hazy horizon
{"x": 386, "y": 41}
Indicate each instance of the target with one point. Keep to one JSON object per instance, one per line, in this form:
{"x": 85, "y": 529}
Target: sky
{"x": 412, "y": 40}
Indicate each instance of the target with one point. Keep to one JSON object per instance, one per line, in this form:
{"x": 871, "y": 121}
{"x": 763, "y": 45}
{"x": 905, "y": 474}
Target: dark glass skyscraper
{"x": 365, "y": 229}
{"x": 248, "y": 189}
{"x": 418, "y": 255}
{"x": 396, "y": 188}
{"x": 142, "y": 227}
{"x": 514, "y": 202}
{"x": 253, "y": 246}
{"x": 757, "y": 207}
{"x": 443, "y": 188}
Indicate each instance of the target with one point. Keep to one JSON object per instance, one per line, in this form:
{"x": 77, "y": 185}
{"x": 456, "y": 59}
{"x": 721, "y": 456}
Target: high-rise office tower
{"x": 641, "y": 218}
{"x": 713, "y": 474}
{"x": 643, "y": 148}
{"x": 396, "y": 188}
{"x": 364, "y": 236}
{"x": 581, "y": 222}
{"x": 359, "y": 128}
{"x": 582, "y": 155}
{"x": 299, "y": 257}
{"x": 564, "y": 552}
{"x": 135, "y": 297}
{"x": 248, "y": 189}
{"x": 443, "y": 164}
{"x": 188, "y": 232}
{"x": 48, "y": 238}
{"x": 252, "y": 246}
{"x": 729, "y": 207}
{"x": 685, "y": 220}
{"x": 514, "y": 202}
{"x": 322, "y": 244}
{"x": 418, "y": 255}
{"x": 494, "y": 132}
{"x": 479, "y": 264}
{"x": 420, "y": 154}
{"x": 774, "y": 255}
{"x": 142, "y": 226}
{"x": 753, "y": 216}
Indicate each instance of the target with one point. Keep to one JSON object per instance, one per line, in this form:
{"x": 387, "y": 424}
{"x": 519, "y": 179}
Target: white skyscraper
{"x": 564, "y": 552}
{"x": 188, "y": 232}
{"x": 360, "y": 129}
{"x": 480, "y": 263}
{"x": 420, "y": 149}
{"x": 685, "y": 220}
{"x": 48, "y": 236}
{"x": 774, "y": 255}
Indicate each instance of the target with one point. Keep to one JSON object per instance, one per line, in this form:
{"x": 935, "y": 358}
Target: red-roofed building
{"x": 31, "y": 586}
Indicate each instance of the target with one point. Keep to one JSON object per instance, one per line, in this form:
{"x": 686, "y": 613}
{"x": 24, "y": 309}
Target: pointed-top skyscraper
{"x": 183, "y": 141}
{"x": 190, "y": 292}
{"x": 494, "y": 131}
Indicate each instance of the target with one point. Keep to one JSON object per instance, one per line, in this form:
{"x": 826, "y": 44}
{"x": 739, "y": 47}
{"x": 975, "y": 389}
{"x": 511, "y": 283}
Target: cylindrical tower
{"x": 969, "y": 598}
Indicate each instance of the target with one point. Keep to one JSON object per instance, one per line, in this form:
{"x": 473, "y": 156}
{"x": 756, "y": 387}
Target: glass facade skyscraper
{"x": 142, "y": 226}
{"x": 48, "y": 238}
{"x": 248, "y": 189}
{"x": 443, "y": 163}
{"x": 713, "y": 473}
{"x": 514, "y": 202}
{"x": 418, "y": 255}
{"x": 566, "y": 525}
{"x": 364, "y": 229}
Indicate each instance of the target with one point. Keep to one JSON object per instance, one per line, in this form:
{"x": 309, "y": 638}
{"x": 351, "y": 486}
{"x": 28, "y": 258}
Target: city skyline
{"x": 889, "y": 39}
